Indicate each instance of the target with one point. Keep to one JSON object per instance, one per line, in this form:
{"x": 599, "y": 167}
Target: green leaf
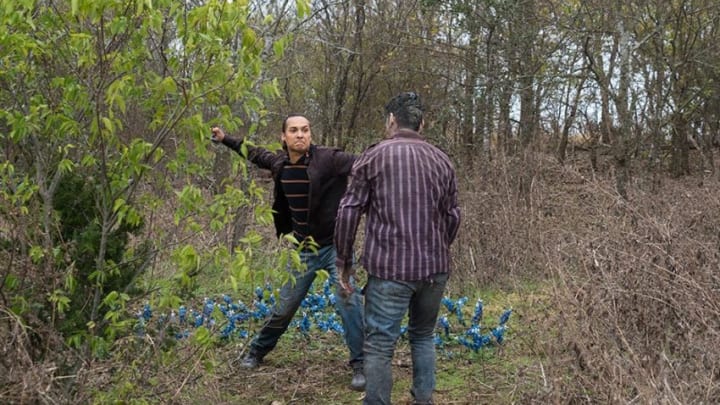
{"x": 270, "y": 89}
{"x": 249, "y": 39}
{"x": 252, "y": 239}
{"x": 11, "y": 282}
{"x": 36, "y": 254}
{"x": 279, "y": 47}
{"x": 296, "y": 261}
{"x": 70, "y": 282}
{"x": 88, "y": 161}
{"x": 60, "y": 300}
{"x": 322, "y": 275}
{"x": 111, "y": 299}
{"x": 303, "y": 8}
{"x": 107, "y": 123}
{"x": 202, "y": 336}
{"x": 66, "y": 166}
{"x": 119, "y": 203}
{"x": 76, "y": 340}
{"x": 169, "y": 300}
{"x": 291, "y": 238}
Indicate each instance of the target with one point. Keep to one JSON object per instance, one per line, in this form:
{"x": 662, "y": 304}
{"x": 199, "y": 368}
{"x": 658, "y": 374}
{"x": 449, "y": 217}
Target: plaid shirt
{"x": 408, "y": 190}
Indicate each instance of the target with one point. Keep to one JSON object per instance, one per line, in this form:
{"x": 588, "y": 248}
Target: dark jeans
{"x": 386, "y": 303}
{"x": 348, "y": 307}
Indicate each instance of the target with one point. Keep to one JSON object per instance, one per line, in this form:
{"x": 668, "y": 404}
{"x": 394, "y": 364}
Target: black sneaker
{"x": 358, "y": 379}
{"x": 250, "y": 361}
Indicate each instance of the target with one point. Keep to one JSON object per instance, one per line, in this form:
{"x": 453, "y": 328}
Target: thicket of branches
{"x": 111, "y": 195}
{"x": 635, "y": 282}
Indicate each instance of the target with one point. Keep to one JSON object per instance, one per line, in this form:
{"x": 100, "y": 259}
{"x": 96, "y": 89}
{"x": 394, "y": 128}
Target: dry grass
{"x": 636, "y": 284}
{"x": 638, "y": 288}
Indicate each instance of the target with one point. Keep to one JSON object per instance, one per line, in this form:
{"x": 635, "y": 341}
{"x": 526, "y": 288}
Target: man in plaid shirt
{"x": 407, "y": 189}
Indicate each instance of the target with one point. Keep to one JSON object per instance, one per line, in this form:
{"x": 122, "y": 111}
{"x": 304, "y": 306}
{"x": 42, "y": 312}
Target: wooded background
{"x": 584, "y": 134}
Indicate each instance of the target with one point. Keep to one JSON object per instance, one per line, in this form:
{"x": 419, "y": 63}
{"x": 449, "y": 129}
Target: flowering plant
{"x": 228, "y": 319}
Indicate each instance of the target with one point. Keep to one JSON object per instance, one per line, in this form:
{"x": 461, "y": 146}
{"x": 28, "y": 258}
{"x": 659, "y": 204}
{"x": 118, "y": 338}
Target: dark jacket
{"x": 328, "y": 171}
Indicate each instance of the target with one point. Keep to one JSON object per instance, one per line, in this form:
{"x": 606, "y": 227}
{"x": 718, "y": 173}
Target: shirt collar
{"x": 305, "y": 157}
{"x": 407, "y": 133}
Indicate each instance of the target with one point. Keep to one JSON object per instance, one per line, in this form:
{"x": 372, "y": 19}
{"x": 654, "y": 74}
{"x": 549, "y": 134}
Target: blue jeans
{"x": 386, "y": 302}
{"x": 349, "y": 307}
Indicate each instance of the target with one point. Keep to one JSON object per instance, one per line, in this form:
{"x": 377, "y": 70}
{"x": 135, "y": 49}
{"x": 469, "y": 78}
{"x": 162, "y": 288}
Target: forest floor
{"x": 312, "y": 369}
{"x": 302, "y": 371}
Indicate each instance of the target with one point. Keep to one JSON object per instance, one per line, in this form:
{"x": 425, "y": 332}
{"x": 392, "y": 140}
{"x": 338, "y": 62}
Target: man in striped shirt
{"x": 408, "y": 191}
{"x": 309, "y": 182}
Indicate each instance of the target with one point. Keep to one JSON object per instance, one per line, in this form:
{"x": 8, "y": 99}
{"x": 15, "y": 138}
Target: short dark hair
{"x": 407, "y": 109}
{"x": 291, "y": 115}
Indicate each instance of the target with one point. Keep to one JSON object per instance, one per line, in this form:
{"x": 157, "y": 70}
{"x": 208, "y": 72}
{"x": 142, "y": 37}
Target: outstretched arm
{"x": 218, "y": 136}
{"x": 261, "y": 157}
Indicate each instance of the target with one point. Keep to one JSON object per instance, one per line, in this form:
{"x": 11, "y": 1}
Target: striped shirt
{"x": 296, "y": 187}
{"x": 407, "y": 189}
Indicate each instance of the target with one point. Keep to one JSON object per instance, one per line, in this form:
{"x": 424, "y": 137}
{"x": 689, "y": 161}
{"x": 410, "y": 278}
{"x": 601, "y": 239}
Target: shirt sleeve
{"x": 343, "y": 162}
{"x": 352, "y": 206}
{"x": 452, "y": 212}
{"x": 261, "y": 157}
{"x": 233, "y": 143}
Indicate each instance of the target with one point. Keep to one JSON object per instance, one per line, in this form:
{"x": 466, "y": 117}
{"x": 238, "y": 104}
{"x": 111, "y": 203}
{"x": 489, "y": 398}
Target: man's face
{"x": 297, "y": 135}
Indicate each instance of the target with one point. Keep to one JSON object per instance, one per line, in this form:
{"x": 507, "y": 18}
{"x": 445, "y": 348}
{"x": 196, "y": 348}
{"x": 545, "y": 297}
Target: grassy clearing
{"x": 313, "y": 370}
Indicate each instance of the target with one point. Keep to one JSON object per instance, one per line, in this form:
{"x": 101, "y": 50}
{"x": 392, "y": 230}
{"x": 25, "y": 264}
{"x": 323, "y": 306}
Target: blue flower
{"x": 147, "y": 312}
{"x": 323, "y": 325}
{"x": 305, "y": 324}
{"x": 498, "y": 333}
{"x": 505, "y": 316}
{"x": 239, "y": 307}
{"x": 182, "y": 312}
{"x": 208, "y": 307}
{"x": 261, "y": 310}
{"x": 458, "y": 309}
{"x": 199, "y": 320}
{"x": 228, "y": 329}
{"x": 319, "y": 310}
{"x": 438, "y": 340}
{"x": 337, "y": 328}
{"x": 477, "y": 316}
{"x": 445, "y": 324}
{"x": 484, "y": 340}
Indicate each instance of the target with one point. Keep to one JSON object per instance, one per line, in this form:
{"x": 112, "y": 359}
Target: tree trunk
{"x": 620, "y": 148}
{"x": 680, "y": 148}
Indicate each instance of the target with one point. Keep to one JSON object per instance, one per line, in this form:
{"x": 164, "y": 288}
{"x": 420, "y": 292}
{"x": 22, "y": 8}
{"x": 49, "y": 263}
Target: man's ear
{"x": 390, "y": 120}
{"x": 389, "y": 124}
{"x": 422, "y": 125}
